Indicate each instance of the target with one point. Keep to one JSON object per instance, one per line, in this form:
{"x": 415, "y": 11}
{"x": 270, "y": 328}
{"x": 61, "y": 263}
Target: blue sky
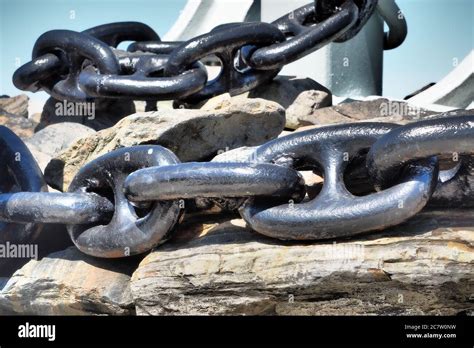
{"x": 439, "y": 33}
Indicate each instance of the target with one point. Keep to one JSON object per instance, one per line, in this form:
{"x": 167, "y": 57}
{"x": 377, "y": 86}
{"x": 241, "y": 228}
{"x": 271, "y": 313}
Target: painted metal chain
{"x": 82, "y": 66}
{"x": 376, "y": 175}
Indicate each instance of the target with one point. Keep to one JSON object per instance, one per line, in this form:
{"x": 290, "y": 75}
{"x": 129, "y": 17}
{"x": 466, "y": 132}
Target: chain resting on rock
{"x": 129, "y": 201}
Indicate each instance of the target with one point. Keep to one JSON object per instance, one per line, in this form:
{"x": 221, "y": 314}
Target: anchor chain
{"x": 82, "y": 66}
{"x": 130, "y": 200}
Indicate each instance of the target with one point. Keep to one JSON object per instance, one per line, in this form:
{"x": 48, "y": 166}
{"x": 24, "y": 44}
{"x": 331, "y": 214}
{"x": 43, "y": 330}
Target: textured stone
{"x": 69, "y": 283}
{"x": 50, "y": 141}
{"x": 36, "y": 117}
{"x": 381, "y": 110}
{"x": 225, "y": 268}
{"x": 299, "y": 96}
{"x": 285, "y": 89}
{"x": 20, "y": 125}
{"x": 398, "y": 118}
{"x": 305, "y": 105}
{"x": 222, "y": 101}
{"x": 190, "y": 134}
{"x": 17, "y": 105}
{"x": 240, "y": 154}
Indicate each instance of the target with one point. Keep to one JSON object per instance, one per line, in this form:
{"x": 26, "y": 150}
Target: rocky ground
{"x": 215, "y": 264}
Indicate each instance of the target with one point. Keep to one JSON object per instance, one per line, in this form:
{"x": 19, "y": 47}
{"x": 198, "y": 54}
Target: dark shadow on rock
{"x": 423, "y": 222}
{"x": 126, "y": 265}
{"x": 51, "y": 238}
{"x": 220, "y": 230}
{"x": 21, "y": 126}
{"x": 54, "y": 174}
{"x": 11, "y": 265}
{"x": 430, "y": 219}
{"x": 100, "y": 114}
{"x": 285, "y": 89}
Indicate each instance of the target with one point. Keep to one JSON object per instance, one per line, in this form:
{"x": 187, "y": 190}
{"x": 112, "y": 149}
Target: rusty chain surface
{"x": 83, "y": 66}
{"x": 129, "y": 201}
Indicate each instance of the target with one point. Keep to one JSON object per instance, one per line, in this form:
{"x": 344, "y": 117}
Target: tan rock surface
{"x": 227, "y": 269}
{"x": 17, "y": 105}
{"x": 69, "y": 283}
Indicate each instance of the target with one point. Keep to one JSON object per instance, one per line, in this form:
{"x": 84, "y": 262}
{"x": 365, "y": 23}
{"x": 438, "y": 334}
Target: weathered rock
{"x": 221, "y": 101}
{"x": 70, "y": 283}
{"x": 50, "y": 141}
{"x": 305, "y": 105}
{"x": 401, "y": 119}
{"x": 144, "y": 106}
{"x": 100, "y": 114}
{"x": 36, "y": 117}
{"x": 190, "y": 134}
{"x": 20, "y": 125}
{"x": 140, "y": 105}
{"x": 225, "y": 268}
{"x": 240, "y": 154}
{"x": 285, "y": 89}
{"x": 382, "y": 110}
{"x": 299, "y": 96}
{"x": 17, "y": 105}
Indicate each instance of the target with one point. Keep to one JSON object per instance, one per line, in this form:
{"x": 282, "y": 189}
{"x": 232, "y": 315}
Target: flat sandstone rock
{"x": 225, "y": 268}
{"x": 69, "y": 283}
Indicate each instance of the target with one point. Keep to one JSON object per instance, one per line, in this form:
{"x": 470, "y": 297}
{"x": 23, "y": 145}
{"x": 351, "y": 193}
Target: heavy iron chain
{"x": 82, "y": 66}
{"x": 376, "y": 175}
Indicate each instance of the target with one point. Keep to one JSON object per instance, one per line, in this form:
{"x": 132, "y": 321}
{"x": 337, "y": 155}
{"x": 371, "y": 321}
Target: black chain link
{"x": 129, "y": 200}
{"x": 84, "y": 66}
{"x": 376, "y": 175}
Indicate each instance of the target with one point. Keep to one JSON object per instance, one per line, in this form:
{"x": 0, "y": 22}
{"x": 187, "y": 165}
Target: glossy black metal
{"x": 115, "y": 33}
{"x": 157, "y": 47}
{"x": 131, "y": 230}
{"x": 395, "y": 21}
{"x": 82, "y": 66}
{"x": 45, "y": 70}
{"x": 304, "y": 38}
{"x": 455, "y": 189}
{"x": 225, "y": 42}
{"x": 366, "y": 10}
{"x": 144, "y": 81}
{"x": 76, "y": 48}
{"x": 54, "y": 207}
{"x": 446, "y": 136}
{"x": 451, "y": 139}
{"x": 335, "y": 212}
{"x": 193, "y": 180}
{"x": 18, "y": 172}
